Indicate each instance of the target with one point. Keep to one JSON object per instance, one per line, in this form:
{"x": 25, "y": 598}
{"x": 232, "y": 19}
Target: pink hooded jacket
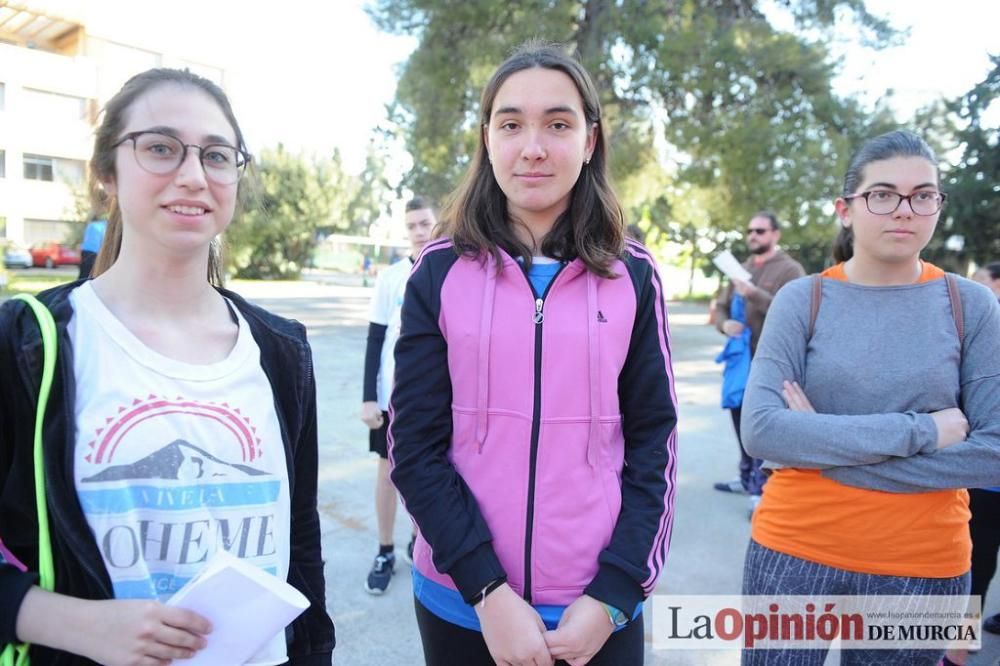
{"x": 535, "y": 438}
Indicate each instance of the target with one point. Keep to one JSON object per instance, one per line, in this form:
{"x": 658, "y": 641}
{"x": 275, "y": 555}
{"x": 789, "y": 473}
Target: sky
{"x": 316, "y": 76}
{"x": 944, "y": 53}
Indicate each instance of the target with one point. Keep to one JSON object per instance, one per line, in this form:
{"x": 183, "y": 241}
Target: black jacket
{"x": 286, "y": 359}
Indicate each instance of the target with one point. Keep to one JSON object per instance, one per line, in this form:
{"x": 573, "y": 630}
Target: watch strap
{"x": 480, "y": 598}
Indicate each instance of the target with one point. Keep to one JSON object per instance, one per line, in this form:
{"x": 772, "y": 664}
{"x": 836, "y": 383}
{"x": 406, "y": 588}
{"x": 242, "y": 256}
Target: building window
{"x": 49, "y": 106}
{"x": 37, "y": 167}
{"x": 70, "y": 172}
{"x": 42, "y": 231}
{"x": 54, "y": 169}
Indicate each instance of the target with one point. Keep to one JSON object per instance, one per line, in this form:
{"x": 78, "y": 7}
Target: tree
{"x": 374, "y": 194}
{"x": 276, "y": 236}
{"x": 973, "y": 185}
{"x": 89, "y": 202}
{"x": 745, "y": 111}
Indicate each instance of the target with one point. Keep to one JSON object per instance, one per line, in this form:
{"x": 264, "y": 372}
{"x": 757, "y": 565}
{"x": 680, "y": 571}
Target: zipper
{"x": 536, "y": 421}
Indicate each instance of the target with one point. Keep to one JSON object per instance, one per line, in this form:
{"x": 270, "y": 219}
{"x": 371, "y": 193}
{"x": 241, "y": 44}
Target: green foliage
{"x": 712, "y": 112}
{"x": 753, "y": 118}
{"x": 373, "y": 194}
{"x": 437, "y": 95}
{"x": 974, "y": 183}
{"x": 295, "y": 198}
{"x": 89, "y": 203}
{"x": 32, "y": 283}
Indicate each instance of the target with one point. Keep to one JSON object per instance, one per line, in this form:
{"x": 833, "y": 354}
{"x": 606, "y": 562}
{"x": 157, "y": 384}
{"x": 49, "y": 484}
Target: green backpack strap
{"x": 18, "y": 655}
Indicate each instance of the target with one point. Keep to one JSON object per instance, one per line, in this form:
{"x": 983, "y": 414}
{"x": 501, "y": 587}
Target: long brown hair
{"x": 102, "y": 162}
{"x": 592, "y": 227}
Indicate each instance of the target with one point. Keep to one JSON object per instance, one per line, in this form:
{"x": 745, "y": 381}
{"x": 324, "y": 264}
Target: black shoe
{"x": 381, "y": 574}
{"x": 734, "y": 486}
{"x": 992, "y": 624}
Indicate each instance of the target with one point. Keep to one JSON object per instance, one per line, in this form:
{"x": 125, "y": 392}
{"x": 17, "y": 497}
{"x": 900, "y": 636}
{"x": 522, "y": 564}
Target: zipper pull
{"x": 538, "y": 310}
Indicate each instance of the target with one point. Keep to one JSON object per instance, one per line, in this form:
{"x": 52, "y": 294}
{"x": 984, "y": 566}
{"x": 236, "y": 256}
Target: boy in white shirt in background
{"x": 383, "y": 331}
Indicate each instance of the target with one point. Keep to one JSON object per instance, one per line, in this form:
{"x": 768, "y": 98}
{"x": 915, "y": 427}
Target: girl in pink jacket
{"x": 533, "y": 420}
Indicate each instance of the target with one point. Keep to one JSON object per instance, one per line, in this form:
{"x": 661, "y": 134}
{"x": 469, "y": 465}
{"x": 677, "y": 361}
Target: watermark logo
{"x": 811, "y": 622}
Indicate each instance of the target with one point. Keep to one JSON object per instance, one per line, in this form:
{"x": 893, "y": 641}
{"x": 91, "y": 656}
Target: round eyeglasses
{"x": 162, "y": 154}
{"x": 885, "y": 202}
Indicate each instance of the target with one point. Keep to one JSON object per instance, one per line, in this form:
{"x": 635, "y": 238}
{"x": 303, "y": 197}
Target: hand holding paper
{"x": 743, "y": 288}
{"x": 726, "y": 262}
{"x": 247, "y": 607}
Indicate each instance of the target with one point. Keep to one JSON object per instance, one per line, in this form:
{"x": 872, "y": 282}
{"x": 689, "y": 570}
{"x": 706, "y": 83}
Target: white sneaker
{"x": 754, "y": 503}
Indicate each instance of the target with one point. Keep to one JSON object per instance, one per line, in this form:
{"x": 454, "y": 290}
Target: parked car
{"x": 15, "y": 256}
{"x": 51, "y": 254}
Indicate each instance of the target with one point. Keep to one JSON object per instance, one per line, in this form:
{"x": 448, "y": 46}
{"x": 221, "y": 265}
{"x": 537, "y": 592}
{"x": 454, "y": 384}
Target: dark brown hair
{"x": 900, "y": 143}
{"x": 102, "y": 162}
{"x": 592, "y": 227}
{"x": 770, "y": 217}
{"x": 419, "y": 202}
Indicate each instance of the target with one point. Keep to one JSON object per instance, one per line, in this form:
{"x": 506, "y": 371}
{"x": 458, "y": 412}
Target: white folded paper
{"x": 726, "y": 262}
{"x": 235, "y": 596}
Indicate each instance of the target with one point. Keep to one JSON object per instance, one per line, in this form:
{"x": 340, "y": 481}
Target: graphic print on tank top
{"x": 161, "y": 505}
{"x": 174, "y": 461}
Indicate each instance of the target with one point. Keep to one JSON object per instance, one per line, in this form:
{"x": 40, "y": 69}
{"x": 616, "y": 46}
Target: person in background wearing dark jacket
{"x": 770, "y": 269}
{"x": 182, "y": 419}
{"x": 533, "y": 419}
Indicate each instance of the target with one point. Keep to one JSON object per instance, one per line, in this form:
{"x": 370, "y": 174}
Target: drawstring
{"x": 485, "y": 335}
{"x": 483, "y": 371}
{"x": 594, "y": 348}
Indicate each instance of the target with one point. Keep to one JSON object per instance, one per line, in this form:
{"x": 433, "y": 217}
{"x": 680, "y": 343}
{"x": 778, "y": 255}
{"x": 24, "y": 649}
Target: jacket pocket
{"x": 576, "y": 507}
{"x": 497, "y": 475}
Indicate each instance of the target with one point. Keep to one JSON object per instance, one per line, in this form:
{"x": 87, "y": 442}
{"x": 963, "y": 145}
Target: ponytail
{"x": 843, "y": 245}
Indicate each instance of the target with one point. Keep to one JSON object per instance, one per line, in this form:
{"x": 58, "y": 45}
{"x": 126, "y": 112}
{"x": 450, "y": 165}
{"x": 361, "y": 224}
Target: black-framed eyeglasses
{"x": 759, "y": 232}
{"x": 162, "y": 154}
{"x": 886, "y": 202}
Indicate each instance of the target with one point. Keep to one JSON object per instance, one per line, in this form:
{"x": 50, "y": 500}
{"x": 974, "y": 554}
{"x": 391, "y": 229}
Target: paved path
{"x": 710, "y": 531}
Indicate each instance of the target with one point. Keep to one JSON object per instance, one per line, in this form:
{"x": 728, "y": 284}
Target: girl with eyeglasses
{"x": 182, "y": 420}
{"x": 876, "y": 398}
{"x": 533, "y": 422}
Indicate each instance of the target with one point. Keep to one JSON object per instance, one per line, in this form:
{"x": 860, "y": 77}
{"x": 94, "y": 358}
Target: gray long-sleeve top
{"x": 880, "y": 360}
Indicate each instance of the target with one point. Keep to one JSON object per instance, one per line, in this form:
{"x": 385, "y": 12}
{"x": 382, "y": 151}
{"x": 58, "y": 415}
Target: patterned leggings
{"x": 768, "y": 572}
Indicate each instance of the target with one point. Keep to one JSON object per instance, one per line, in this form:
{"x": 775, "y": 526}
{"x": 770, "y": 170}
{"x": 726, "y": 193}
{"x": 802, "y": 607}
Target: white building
{"x": 54, "y": 79}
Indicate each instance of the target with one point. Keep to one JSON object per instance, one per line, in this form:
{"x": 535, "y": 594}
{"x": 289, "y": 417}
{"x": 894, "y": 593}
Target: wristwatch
{"x": 618, "y": 617}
